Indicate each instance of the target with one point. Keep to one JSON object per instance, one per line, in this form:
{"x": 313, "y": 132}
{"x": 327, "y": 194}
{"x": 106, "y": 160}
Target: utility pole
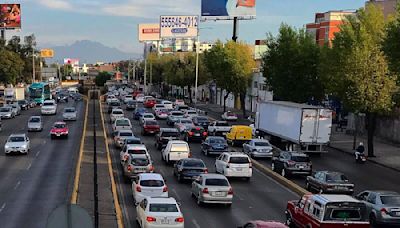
{"x": 197, "y": 69}
{"x": 33, "y": 66}
{"x": 145, "y": 74}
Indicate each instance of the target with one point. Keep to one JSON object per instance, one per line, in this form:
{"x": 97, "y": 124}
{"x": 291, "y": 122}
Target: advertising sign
{"x": 149, "y": 32}
{"x": 47, "y": 53}
{"x": 228, "y": 9}
{"x": 10, "y": 16}
{"x": 73, "y": 62}
{"x": 179, "y": 26}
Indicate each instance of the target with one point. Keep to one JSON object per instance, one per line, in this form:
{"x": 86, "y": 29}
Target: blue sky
{"x": 114, "y": 22}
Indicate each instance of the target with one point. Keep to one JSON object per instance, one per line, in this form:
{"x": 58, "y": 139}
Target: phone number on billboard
{"x": 179, "y": 22}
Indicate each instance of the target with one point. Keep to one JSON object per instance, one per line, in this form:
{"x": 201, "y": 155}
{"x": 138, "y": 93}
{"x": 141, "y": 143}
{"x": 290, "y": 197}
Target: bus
{"x": 39, "y": 92}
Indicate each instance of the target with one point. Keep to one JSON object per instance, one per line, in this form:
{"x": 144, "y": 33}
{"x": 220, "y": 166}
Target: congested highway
{"x": 33, "y": 185}
{"x": 260, "y": 198}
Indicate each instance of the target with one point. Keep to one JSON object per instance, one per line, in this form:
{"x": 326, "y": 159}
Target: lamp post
{"x": 197, "y": 69}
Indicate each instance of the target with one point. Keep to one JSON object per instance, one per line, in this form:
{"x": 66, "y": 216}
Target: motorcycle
{"x": 361, "y": 158}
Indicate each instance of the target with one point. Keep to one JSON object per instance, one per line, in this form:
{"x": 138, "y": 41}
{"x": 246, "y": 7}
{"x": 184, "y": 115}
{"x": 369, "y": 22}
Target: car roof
{"x": 60, "y": 122}
{"x": 151, "y": 176}
{"x": 259, "y": 140}
{"x": 236, "y": 154}
{"x": 122, "y": 119}
{"x": 177, "y": 142}
{"x": 169, "y": 130}
{"x": 325, "y": 198}
{"x": 132, "y": 138}
{"x": 161, "y": 200}
{"x": 35, "y": 117}
{"x": 297, "y": 153}
{"x": 125, "y": 130}
{"x": 215, "y": 137}
{"x": 213, "y": 175}
{"x": 136, "y": 146}
{"x": 18, "y": 135}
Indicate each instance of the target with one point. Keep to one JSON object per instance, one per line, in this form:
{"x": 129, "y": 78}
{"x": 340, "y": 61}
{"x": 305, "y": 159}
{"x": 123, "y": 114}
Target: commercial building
{"x": 326, "y": 25}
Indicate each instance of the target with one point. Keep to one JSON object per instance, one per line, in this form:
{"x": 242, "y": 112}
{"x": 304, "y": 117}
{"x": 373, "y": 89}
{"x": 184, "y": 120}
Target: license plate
{"x": 239, "y": 169}
{"x": 151, "y": 132}
{"x": 164, "y": 221}
{"x": 223, "y": 133}
{"x": 196, "y": 134}
{"x": 219, "y": 194}
{"x": 397, "y": 213}
{"x": 301, "y": 167}
{"x": 58, "y": 134}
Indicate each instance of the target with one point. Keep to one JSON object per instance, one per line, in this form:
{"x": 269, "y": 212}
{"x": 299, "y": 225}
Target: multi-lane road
{"x": 33, "y": 185}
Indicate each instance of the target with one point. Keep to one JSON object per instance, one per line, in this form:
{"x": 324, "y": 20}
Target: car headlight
{"x": 7, "y": 146}
{"x": 24, "y": 146}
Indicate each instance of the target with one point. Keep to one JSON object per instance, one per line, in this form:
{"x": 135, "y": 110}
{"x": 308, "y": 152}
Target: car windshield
{"x": 169, "y": 134}
{"x": 59, "y": 125}
{"x": 69, "y": 110}
{"x": 346, "y": 214}
{"x": 126, "y": 134}
{"x": 133, "y": 141}
{"x": 216, "y": 182}
{"x": 118, "y": 112}
{"x": 179, "y": 148}
{"x": 391, "y": 200}
{"x": 163, "y": 207}
{"x": 22, "y": 102}
{"x": 186, "y": 121}
{"x": 217, "y": 141}
{"x": 202, "y": 119}
{"x": 5, "y": 109}
{"x": 140, "y": 161}
{"x": 122, "y": 123}
{"x": 163, "y": 110}
{"x": 197, "y": 130}
{"x": 261, "y": 144}
{"x": 137, "y": 151}
{"x": 152, "y": 183}
{"x": 114, "y": 104}
{"x": 17, "y": 139}
{"x": 177, "y": 114}
{"x": 239, "y": 160}
{"x": 48, "y": 104}
{"x": 151, "y": 123}
{"x": 34, "y": 120}
{"x": 222, "y": 124}
{"x": 148, "y": 116}
{"x": 300, "y": 159}
{"x": 193, "y": 163}
{"x": 191, "y": 112}
{"x": 336, "y": 177}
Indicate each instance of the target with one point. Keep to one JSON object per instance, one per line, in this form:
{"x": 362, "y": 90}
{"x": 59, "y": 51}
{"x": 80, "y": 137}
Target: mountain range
{"x": 90, "y": 52}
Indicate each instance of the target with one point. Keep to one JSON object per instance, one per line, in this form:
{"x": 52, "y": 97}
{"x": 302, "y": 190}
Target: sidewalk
{"x": 387, "y": 155}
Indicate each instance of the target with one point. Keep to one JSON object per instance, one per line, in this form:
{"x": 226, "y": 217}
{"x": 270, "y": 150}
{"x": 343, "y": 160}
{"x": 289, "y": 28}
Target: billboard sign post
{"x": 179, "y": 26}
{"x": 10, "y": 16}
{"x": 148, "y": 32}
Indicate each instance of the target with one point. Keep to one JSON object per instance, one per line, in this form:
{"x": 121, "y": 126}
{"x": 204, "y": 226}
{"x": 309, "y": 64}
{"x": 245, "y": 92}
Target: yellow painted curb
{"x": 74, "y": 196}
{"x": 117, "y": 206}
{"x": 285, "y": 182}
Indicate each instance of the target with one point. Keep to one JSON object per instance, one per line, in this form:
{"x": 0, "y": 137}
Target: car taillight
{"x": 138, "y": 188}
{"x": 205, "y": 190}
{"x": 150, "y": 219}
{"x": 250, "y": 165}
{"x": 205, "y": 133}
{"x": 151, "y": 168}
{"x": 179, "y": 219}
{"x": 125, "y": 157}
{"x": 191, "y": 133}
{"x": 384, "y": 211}
{"x": 206, "y": 170}
{"x": 165, "y": 189}
{"x": 190, "y": 155}
{"x": 230, "y": 192}
{"x": 129, "y": 168}
{"x": 291, "y": 163}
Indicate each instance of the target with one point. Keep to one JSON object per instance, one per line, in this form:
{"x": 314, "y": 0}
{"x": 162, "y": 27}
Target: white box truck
{"x": 295, "y": 126}
{"x": 19, "y": 93}
{"x": 8, "y": 94}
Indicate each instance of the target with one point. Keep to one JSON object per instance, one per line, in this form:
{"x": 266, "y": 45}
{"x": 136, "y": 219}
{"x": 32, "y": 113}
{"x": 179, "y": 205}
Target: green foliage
{"x": 11, "y": 66}
{"x": 291, "y": 66}
{"x": 102, "y": 78}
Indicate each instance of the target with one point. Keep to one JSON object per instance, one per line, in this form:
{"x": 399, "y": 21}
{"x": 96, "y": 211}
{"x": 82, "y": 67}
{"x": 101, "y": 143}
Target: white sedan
{"x": 17, "y": 143}
{"x": 145, "y": 117}
{"x": 149, "y": 185}
{"x": 159, "y": 212}
{"x": 183, "y": 125}
{"x": 230, "y": 116}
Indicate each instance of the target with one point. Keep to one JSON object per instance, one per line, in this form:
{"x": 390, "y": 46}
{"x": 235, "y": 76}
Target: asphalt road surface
{"x": 261, "y": 198}
{"x": 33, "y": 185}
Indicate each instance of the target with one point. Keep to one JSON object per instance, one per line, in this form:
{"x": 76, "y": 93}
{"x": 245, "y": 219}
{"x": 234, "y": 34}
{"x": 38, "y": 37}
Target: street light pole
{"x": 197, "y": 69}
{"x": 33, "y": 66}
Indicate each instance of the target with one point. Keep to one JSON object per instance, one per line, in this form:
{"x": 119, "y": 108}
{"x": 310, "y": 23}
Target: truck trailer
{"x": 293, "y": 126}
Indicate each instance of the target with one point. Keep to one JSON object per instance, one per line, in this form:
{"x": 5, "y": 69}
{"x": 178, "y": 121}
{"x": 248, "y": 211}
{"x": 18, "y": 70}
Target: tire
{"x": 179, "y": 178}
{"x": 247, "y": 179}
{"x": 372, "y": 221}
{"x": 283, "y": 172}
{"x": 273, "y": 167}
{"x": 289, "y": 220}
{"x": 198, "y": 201}
{"x": 308, "y": 187}
{"x": 206, "y": 152}
{"x": 228, "y": 205}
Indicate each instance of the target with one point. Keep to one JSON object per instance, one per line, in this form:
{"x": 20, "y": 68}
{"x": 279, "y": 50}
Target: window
{"x": 239, "y": 160}
{"x": 216, "y": 182}
{"x": 372, "y": 198}
{"x": 255, "y": 84}
{"x": 392, "y": 200}
{"x": 346, "y": 214}
{"x": 152, "y": 183}
{"x": 163, "y": 207}
{"x": 137, "y": 151}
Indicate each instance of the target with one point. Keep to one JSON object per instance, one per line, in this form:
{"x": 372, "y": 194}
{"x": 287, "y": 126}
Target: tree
{"x": 291, "y": 64}
{"x": 11, "y": 66}
{"x": 357, "y": 70}
{"x": 102, "y": 78}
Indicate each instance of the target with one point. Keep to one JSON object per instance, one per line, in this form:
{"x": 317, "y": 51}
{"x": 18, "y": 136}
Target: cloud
{"x": 56, "y": 4}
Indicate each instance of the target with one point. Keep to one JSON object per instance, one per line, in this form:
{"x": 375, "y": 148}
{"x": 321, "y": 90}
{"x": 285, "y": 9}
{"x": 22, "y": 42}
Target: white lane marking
{"x": 2, "y": 207}
{"x": 17, "y": 185}
{"x": 37, "y": 154}
{"x": 176, "y": 194}
{"x": 195, "y": 223}
{"x": 29, "y": 166}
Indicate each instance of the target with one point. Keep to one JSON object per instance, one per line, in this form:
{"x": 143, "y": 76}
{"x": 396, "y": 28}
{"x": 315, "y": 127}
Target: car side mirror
{"x": 136, "y": 204}
{"x": 179, "y": 203}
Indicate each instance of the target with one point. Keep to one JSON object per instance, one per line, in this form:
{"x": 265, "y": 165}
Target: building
{"x": 326, "y": 25}
{"x": 388, "y": 6}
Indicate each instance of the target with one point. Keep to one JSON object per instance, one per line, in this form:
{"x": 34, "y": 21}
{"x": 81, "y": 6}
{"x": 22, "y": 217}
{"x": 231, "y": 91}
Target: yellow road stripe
{"x": 113, "y": 185}
{"x": 74, "y": 197}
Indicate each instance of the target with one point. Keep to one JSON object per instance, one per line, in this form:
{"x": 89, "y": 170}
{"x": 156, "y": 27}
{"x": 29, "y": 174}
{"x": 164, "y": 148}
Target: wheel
{"x": 179, "y": 178}
{"x": 273, "y": 167}
{"x": 289, "y": 221}
{"x": 206, "y": 152}
{"x": 283, "y": 172}
{"x": 372, "y": 220}
{"x": 228, "y": 205}
{"x": 198, "y": 200}
{"x": 308, "y": 187}
{"x": 186, "y": 138}
{"x": 247, "y": 179}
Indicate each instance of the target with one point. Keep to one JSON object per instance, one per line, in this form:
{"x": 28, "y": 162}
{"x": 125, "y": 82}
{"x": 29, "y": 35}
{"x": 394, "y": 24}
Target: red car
{"x": 149, "y": 102}
{"x": 59, "y": 129}
{"x": 150, "y": 127}
{"x": 195, "y": 134}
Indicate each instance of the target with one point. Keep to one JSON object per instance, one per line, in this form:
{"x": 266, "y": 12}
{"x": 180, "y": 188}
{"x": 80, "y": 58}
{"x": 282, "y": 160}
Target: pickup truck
{"x": 327, "y": 211}
{"x": 219, "y": 128}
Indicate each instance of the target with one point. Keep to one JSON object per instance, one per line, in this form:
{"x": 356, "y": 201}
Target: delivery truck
{"x": 292, "y": 126}
{"x": 9, "y": 95}
{"x": 19, "y": 93}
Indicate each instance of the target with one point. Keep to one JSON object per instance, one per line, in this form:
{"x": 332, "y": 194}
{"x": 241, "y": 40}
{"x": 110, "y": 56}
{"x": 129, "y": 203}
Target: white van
{"x": 121, "y": 124}
{"x": 175, "y": 151}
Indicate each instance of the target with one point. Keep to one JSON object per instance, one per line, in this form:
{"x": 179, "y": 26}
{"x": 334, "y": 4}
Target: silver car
{"x": 383, "y": 207}
{"x": 258, "y": 148}
{"x": 136, "y": 165}
{"x": 35, "y": 123}
{"x": 16, "y": 108}
{"x": 69, "y": 113}
{"x": 6, "y": 112}
{"x": 212, "y": 188}
{"x": 17, "y": 143}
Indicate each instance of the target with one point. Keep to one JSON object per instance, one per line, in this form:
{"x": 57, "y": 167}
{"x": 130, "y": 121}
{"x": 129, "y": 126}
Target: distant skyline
{"x": 114, "y": 22}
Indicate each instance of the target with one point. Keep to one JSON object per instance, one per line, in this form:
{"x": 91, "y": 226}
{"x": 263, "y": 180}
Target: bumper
{"x": 133, "y": 175}
{"x": 392, "y": 221}
{"x": 196, "y": 138}
{"x": 34, "y": 129}
{"x": 48, "y": 112}
{"x": 299, "y": 171}
{"x": 339, "y": 191}
{"x": 206, "y": 198}
{"x": 213, "y": 151}
{"x": 151, "y": 131}
{"x": 6, "y": 117}
{"x": 261, "y": 154}
{"x": 151, "y": 225}
{"x": 59, "y": 134}
{"x": 69, "y": 117}
{"x": 232, "y": 173}
{"x": 16, "y": 150}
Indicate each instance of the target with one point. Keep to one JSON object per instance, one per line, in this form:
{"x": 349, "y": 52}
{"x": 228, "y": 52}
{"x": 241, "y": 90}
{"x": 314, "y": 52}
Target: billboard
{"x": 47, "y": 53}
{"x": 149, "y": 32}
{"x": 179, "y": 26}
{"x": 228, "y": 9}
{"x": 73, "y": 62}
{"x": 10, "y": 16}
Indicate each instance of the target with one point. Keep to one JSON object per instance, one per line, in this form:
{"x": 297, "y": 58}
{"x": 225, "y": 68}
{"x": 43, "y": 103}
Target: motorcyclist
{"x": 360, "y": 150}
